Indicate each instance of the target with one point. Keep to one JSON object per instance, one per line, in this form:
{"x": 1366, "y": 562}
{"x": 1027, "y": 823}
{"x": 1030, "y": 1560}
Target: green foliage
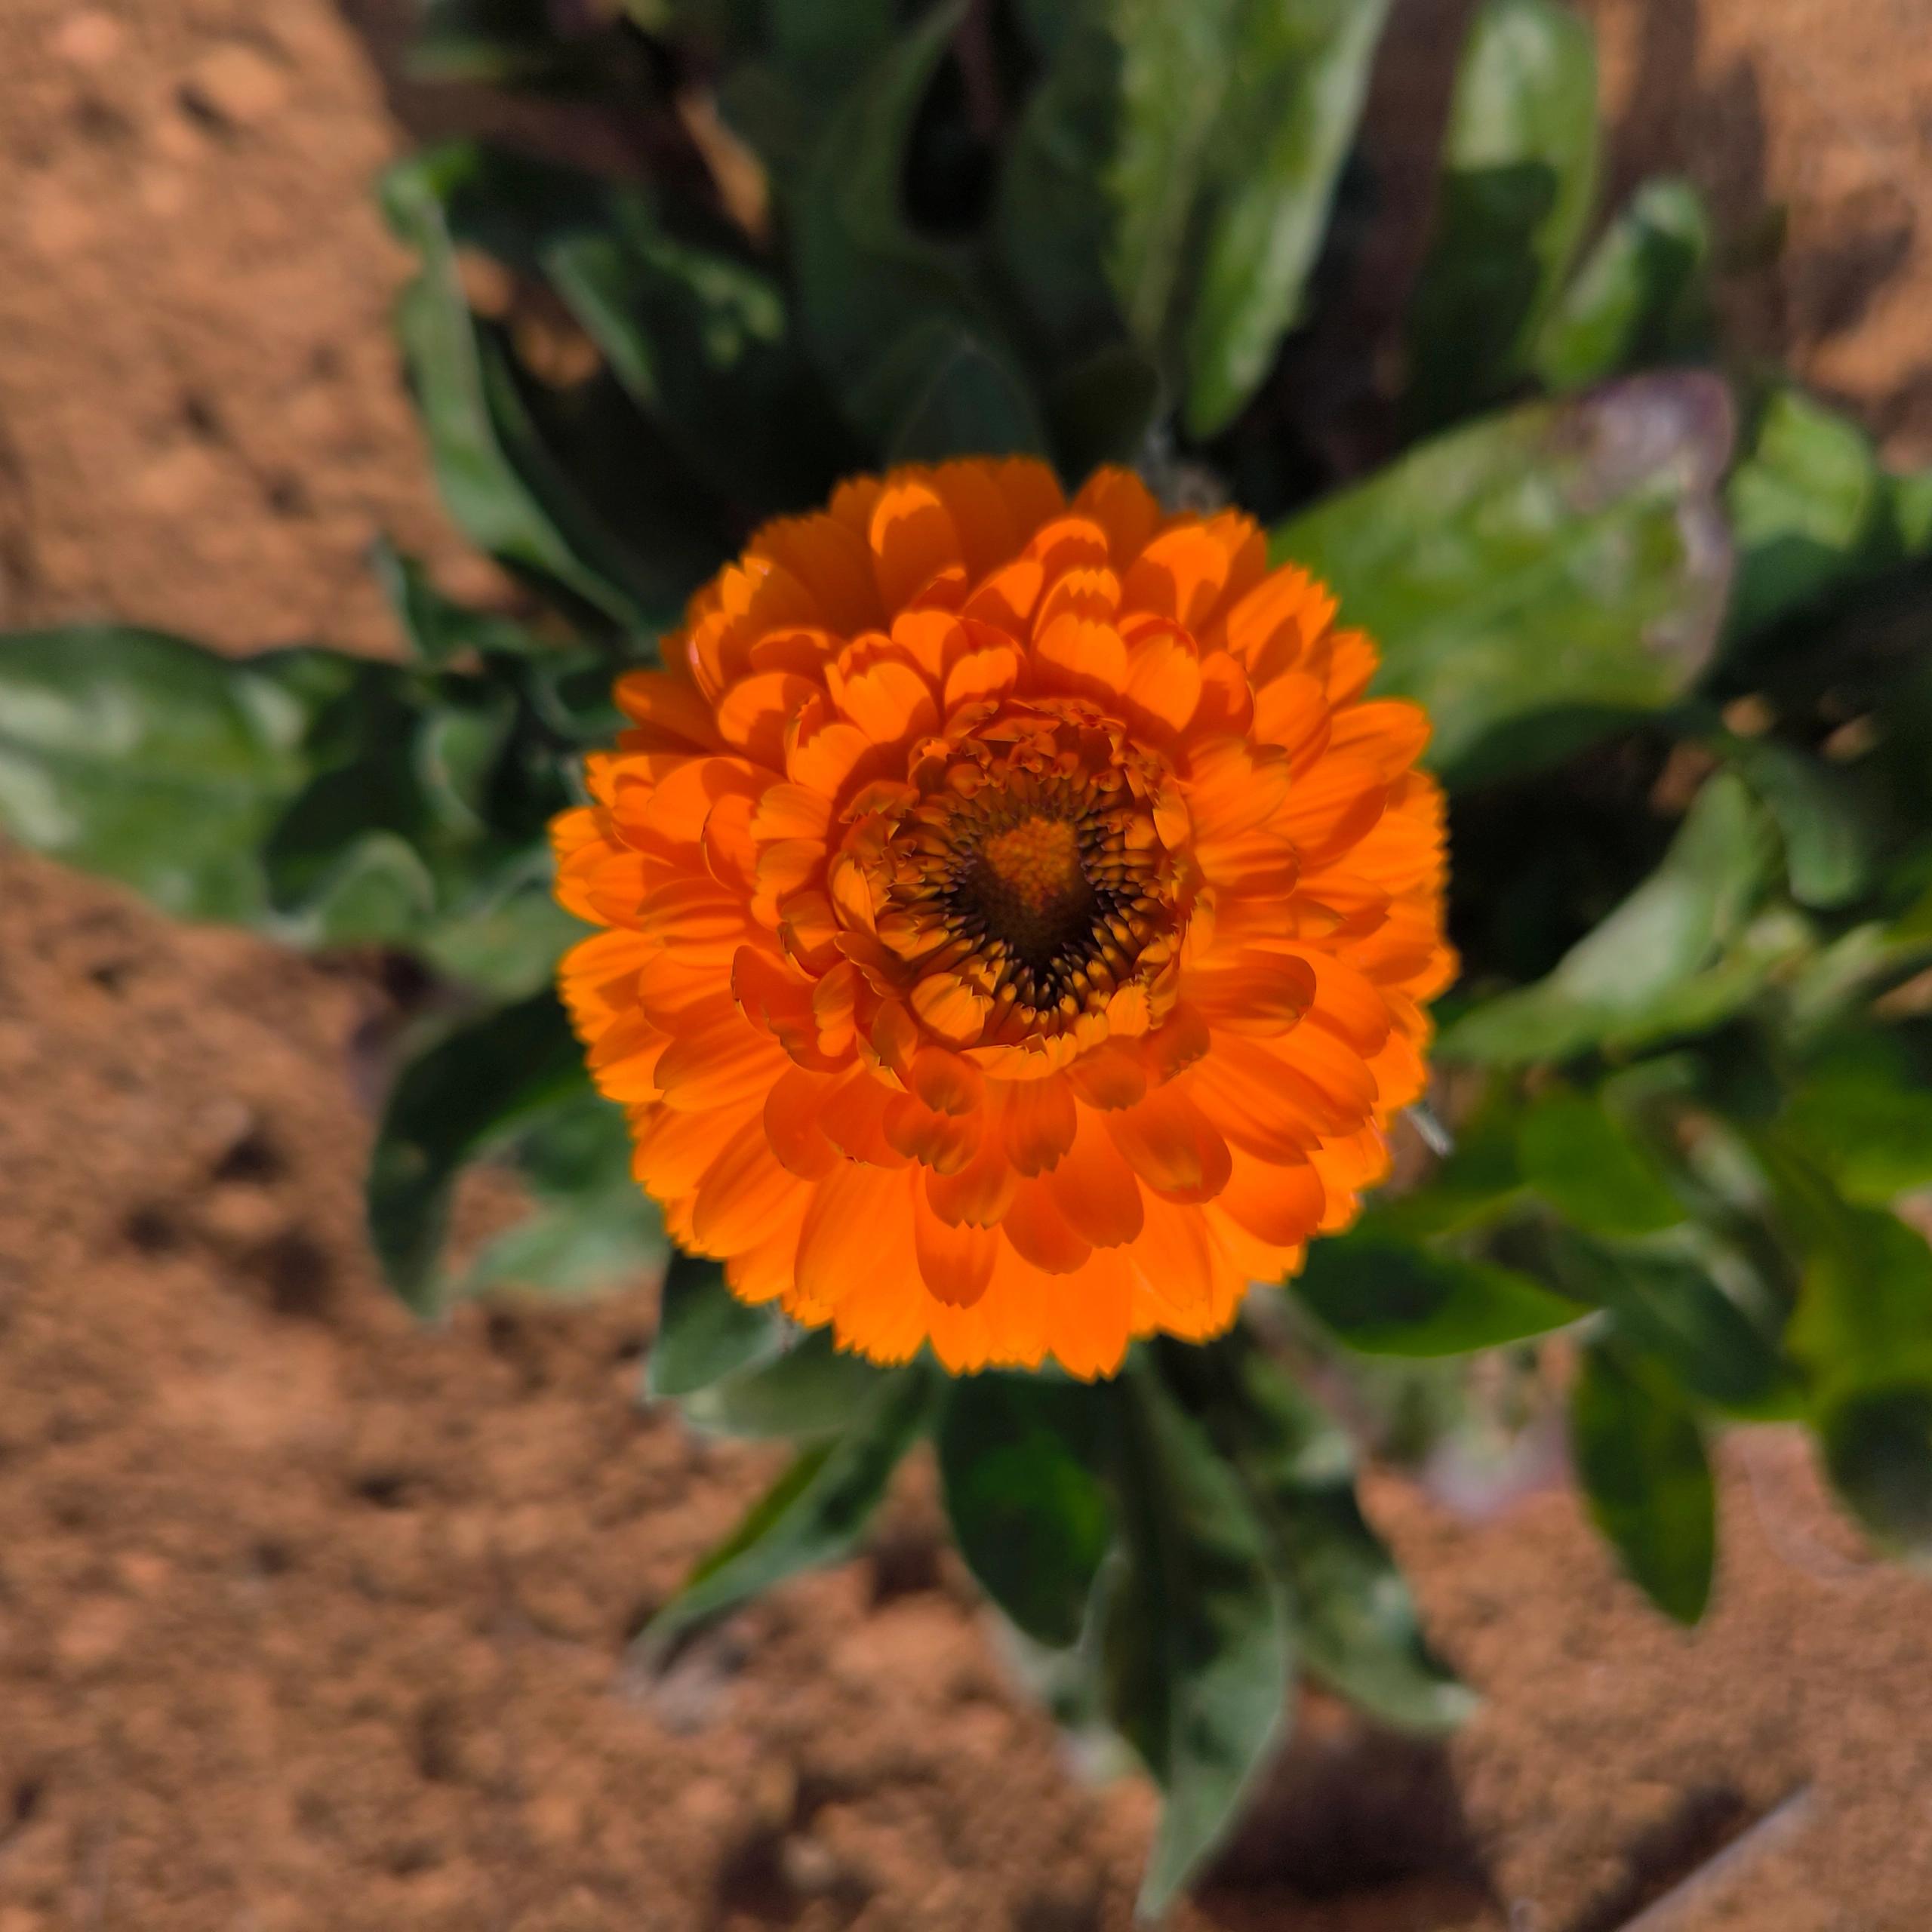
{"x": 1677, "y": 684}
{"x": 1519, "y": 170}
{"x": 1539, "y": 579}
{"x": 1198, "y": 1641}
{"x": 1640, "y": 1456}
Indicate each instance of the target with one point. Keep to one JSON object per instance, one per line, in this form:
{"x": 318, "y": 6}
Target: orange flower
{"x": 1016, "y": 919}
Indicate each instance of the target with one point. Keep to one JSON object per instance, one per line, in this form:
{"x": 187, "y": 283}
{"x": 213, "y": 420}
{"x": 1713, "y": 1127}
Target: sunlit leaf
{"x": 1298, "y": 73}
{"x": 1829, "y": 843}
{"x": 1519, "y": 167}
{"x": 1640, "y": 1456}
{"x": 1536, "y": 579}
{"x": 1022, "y": 1460}
{"x": 1198, "y": 1651}
{"x": 1866, "y": 1119}
{"x": 149, "y": 760}
{"x": 1806, "y": 504}
{"x": 1641, "y": 297}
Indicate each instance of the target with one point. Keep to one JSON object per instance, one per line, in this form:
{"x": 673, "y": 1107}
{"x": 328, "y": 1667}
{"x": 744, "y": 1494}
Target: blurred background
{"x": 311, "y": 1617}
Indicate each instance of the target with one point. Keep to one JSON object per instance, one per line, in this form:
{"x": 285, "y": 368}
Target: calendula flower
{"x": 1016, "y": 918}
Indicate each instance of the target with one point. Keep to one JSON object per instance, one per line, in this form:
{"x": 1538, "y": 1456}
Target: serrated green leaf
{"x": 149, "y": 760}
{"x": 1640, "y": 1456}
{"x": 1619, "y": 983}
{"x": 453, "y": 1102}
{"x": 1541, "y": 577}
{"x": 816, "y": 1514}
{"x": 1641, "y": 297}
{"x": 705, "y": 1332}
{"x": 1586, "y": 1164}
{"x": 1386, "y": 1295}
{"x": 1519, "y": 167}
{"x": 814, "y": 1389}
{"x": 1021, "y": 1459}
{"x": 1198, "y": 1653}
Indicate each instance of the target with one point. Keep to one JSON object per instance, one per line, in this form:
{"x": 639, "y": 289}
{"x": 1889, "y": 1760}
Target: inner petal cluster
{"x": 1017, "y": 919}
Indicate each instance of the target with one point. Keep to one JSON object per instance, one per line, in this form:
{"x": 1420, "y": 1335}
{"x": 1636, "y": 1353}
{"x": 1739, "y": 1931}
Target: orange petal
{"x": 1172, "y": 1145}
{"x": 670, "y": 712}
{"x": 1090, "y": 1315}
{"x": 791, "y": 1125}
{"x": 1039, "y": 1118}
{"x": 1280, "y": 1205}
{"x": 956, "y": 1263}
{"x": 744, "y": 1196}
{"x": 979, "y": 1193}
{"x": 1095, "y": 1189}
{"x": 913, "y": 539}
{"x": 1124, "y": 507}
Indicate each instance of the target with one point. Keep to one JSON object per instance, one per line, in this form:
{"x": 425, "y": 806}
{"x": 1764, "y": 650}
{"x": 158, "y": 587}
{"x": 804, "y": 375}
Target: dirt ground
{"x": 311, "y": 1619}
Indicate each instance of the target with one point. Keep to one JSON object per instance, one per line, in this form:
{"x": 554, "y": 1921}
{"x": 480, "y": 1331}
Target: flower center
{"x": 1028, "y": 885}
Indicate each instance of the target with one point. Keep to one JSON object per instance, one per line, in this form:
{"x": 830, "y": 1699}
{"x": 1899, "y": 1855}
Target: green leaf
{"x": 1866, "y": 1119}
{"x": 469, "y": 1092}
{"x": 1187, "y": 156}
{"x": 1586, "y": 1163}
{"x": 1619, "y": 983}
{"x": 884, "y": 309}
{"x": 1864, "y": 1315}
{"x": 1667, "y": 1306}
{"x": 1298, "y": 73}
{"x": 701, "y": 341}
{"x": 1878, "y": 1447}
{"x": 1540, "y": 577}
{"x": 958, "y": 397}
{"x": 1052, "y": 219}
{"x": 1020, "y": 1457}
{"x": 149, "y": 760}
{"x": 705, "y": 1332}
{"x": 816, "y": 1515}
{"x": 1354, "y": 1617}
{"x": 507, "y": 941}
{"x": 1197, "y": 1648}
{"x": 1519, "y": 176}
{"x": 437, "y": 628}
{"x": 502, "y": 483}
{"x": 1828, "y": 843}
{"x": 1642, "y": 297}
{"x": 1386, "y": 1295}
{"x": 1640, "y": 1456}
{"x": 1807, "y": 507}
{"x": 594, "y": 1229}
{"x": 814, "y": 1389}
